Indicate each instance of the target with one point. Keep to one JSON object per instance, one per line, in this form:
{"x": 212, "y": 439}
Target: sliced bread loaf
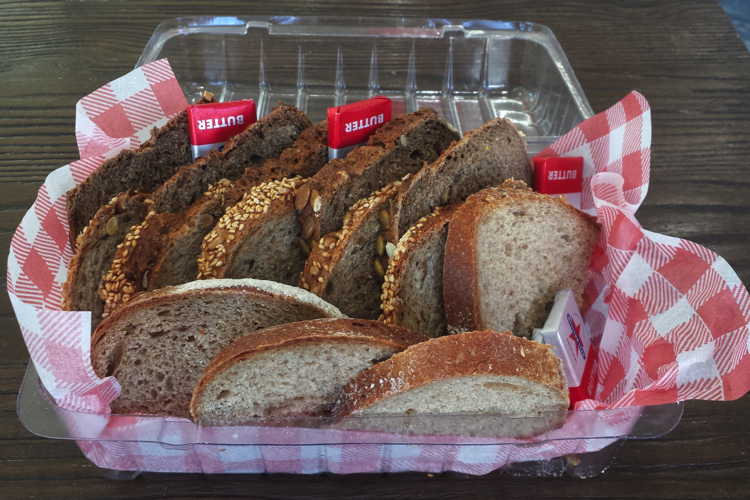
{"x": 509, "y": 251}
{"x": 266, "y": 138}
{"x": 412, "y": 293}
{"x": 399, "y": 147}
{"x": 346, "y": 267}
{"x": 95, "y": 248}
{"x": 494, "y": 383}
{"x": 291, "y": 370}
{"x": 483, "y": 157}
{"x": 159, "y": 343}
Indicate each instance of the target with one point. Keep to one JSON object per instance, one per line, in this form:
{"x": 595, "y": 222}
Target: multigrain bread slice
{"x": 412, "y": 293}
{"x": 95, "y": 248}
{"x": 399, "y": 147}
{"x": 484, "y": 157}
{"x": 141, "y": 170}
{"x": 291, "y": 370}
{"x": 477, "y": 383}
{"x": 509, "y": 251}
{"x": 266, "y": 138}
{"x": 346, "y": 267}
{"x": 159, "y": 343}
{"x": 257, "y": 237}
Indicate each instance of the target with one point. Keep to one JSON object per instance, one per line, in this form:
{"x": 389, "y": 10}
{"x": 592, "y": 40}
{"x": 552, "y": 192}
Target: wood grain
{"x": 682, "y": 55}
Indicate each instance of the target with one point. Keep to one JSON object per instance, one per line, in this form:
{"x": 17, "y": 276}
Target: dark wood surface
{"x": 684, "y": 56}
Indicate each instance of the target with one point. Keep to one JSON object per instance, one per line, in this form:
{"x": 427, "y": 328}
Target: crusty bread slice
{"x": 483, "y": 157}
{"x": 95, "y": 248}
{"x": 477, "y": 375}
{"x": 257, "y": 237}
{"x": 291, "y": 370}
{"x": 399, "y": 147}
{"x": 266, "y": 138}
{"x": 412, "y": 293}
{"x": 158, "y": 344}
{"x": 346, "y": 267}
{"x": 509, "y": 251}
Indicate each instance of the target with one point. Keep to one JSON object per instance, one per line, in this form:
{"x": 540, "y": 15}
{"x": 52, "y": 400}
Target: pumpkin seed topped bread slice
{"x": 412, "y": 294}
{"x": 484, "y": 157}
{"x": 346, "y": 267}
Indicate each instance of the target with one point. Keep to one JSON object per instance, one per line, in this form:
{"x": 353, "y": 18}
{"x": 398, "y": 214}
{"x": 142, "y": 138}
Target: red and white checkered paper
{"x": 670, "y": 318}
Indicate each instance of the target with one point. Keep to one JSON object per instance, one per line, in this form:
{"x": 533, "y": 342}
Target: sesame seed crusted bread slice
{"x": 509, "y": 251}
{"x": 483, "y": 157}
{"x": 466, "y": 381}
{"x": 346, "y": 267}
{"x": 257, "y": 237}
{"x": 159, "y": 343}
{"x": 397, "y": 148}
{"x": 266, "y": 138}
{"x": 95, "y": 248}
{"x": 413, "y": 286}
{"x": 291, "y": 370}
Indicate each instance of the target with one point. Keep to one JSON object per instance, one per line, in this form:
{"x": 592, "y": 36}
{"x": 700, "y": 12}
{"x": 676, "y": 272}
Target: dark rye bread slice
{"x": 399, "y": 147}
{"x": 346, "y": 267}
{"x": 468, "y": 380}
{"x": 413, "y": 286}
{"x": 177, "y": 260}
{"x": 159, "y": 343}
{"x": 266, "y": 138}
{"x": 257, "y": 237}
{"x": 509, "y": 251}
{"x": 95, "y": 248}
{"x": 484, "y": 157}
{"x": 141, "y": 170}
{"x": 291, "y": 370}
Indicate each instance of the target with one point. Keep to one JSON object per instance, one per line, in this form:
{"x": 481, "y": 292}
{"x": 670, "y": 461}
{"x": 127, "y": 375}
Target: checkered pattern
{"x": 670, "y": 318}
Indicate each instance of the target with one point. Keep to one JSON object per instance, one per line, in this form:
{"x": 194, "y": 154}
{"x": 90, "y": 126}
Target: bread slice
{"x": 509, "y": 251}
{"x": 141, "y": 170}
{"x": 291, "y": 370}
{"x": 483, "y": 157}
{"x": 159, "y": 343}
{"x": 257, "y": 237}
{"x": 346, "y": 267}
{"x": 399, "y": 147}
{"x": 413, "y": 287}
{"x": 95, "y": 248}
{"x": 266, "y": 138}
{"x": 461, "y": 385}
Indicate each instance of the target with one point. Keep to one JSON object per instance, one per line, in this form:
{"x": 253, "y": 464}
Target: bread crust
{"x": 463, "y": 355}
{"x": 301, "y": 332}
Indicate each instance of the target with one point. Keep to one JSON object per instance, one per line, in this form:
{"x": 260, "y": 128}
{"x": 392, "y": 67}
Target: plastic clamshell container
{"x": 469, "y": 71}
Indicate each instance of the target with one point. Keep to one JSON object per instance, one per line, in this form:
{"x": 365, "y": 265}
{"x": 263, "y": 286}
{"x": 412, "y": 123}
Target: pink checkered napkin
{"x": 671, "y": 318}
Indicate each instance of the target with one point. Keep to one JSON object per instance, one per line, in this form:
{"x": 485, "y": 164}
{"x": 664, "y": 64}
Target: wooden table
{"x": 683, "y": 55}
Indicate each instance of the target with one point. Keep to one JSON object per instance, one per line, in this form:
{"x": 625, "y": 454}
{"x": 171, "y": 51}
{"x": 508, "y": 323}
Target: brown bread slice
{"x": 159, "y": 343}
{"x": 399, "y": 147}
{"x": 483, "y": 157}
{"x": 291, "y": 370}
{"x": 413, "y": 287}
{"x": 266, "y": 138}
{"x": 509, "y": 251}
{"x": 346, "y": 267}
{"x": 95, "y": 248}
{"x": 257, "y": 237}
{"x": 458, "y": 384}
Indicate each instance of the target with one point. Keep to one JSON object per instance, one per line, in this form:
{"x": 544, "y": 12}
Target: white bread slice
{"x": 291, "y": 370}
{"x": 474, "y": 376}
{"x": 509, "y": 251}
{"x": 158, "y": 344}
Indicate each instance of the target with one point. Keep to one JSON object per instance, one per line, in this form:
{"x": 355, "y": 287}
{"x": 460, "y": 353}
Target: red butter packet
{"x": 570, "y": 338}
{"x": 351, "y": 124}
{"x": 560, "y": 176}
{"x": 211, "y": 125}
